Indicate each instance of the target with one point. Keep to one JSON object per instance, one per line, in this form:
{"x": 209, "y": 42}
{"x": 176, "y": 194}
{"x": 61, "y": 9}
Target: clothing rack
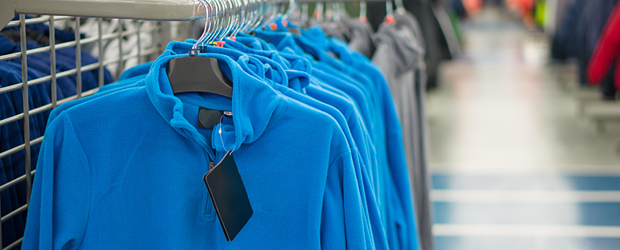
{"x": 53, "y": 12}
{"x": 168, "y": 10}
{"x": 141, "y": 55}
{"x": 162, "y": 10}
{"x": 156, "y": 13}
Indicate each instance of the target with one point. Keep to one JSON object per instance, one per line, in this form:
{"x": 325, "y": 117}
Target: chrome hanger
{"x": 211, "y": 22}
{"x": 229, "y": 18}
{"x": 363, "y": 11}
{"x": 292, "y": 7}
{"x": 261, "y": 10}
{"x": 400, "y": 7}
{"x": 304, "y": 13}
{"x": 318, "y": 12}
{"x": 205, "y": 30}
{"x": 273, "y": 14}
{"x": 389, "y": 17}
{"x": 336, "y": 12}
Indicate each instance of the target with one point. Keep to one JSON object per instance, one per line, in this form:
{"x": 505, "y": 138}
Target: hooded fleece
{"x": 84, "y": 199}
{"x": 396, "y": 186}
{"x": 295, "y": 87}
{"x": 398, "y": 56}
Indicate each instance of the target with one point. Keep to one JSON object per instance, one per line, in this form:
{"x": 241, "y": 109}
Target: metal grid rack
{"x": 26, "y": 86}
{"x": 25, "y": 113}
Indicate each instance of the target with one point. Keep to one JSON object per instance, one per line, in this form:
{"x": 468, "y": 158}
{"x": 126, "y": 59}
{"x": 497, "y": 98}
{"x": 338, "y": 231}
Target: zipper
{"x": 209, "y": 213}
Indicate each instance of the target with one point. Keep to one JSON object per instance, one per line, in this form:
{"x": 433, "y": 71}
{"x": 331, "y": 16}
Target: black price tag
{"x": 208, "y": 118}
{"x": 229, "y": 196}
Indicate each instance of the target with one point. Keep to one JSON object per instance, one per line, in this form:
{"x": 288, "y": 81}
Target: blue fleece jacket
{"x": 285, "y": 41}
{"x": 326, "y": 93}
{"x": 395, "y": 187}
{"x": 143, "y": 69}
{"x": 327, "y": 82}
{"x": 352, "y": 117}
{"x": 323, "y": 95}
{"x": 377, "y": 224}
{"x": 363, "y": 176}
{"x": 361, "y": 133}
{"x": 268, "y": 132}
{"x": 394, "y": 139}
{"x": 328, "y": 74}
{"x": 297, "y": 81}
{"x": 250, "y": 45}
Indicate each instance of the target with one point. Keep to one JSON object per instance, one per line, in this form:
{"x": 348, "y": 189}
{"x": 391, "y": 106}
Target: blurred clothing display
{"x": 577, "y": 37}
{"x": 607, "y": 52}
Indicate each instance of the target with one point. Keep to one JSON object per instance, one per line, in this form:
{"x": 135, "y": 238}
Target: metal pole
{"x": 53, "y": 62}
{"x": 101, "y": 57}
{"x": 78, "y": 58}
{"x": 25, "y": 93}
{"x": 139, "y": 43}
{"x": 119, "y": 68}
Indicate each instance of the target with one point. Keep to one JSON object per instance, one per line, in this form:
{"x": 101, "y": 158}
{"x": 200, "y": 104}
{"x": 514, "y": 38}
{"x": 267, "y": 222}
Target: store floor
{"x": 514, "y": 166}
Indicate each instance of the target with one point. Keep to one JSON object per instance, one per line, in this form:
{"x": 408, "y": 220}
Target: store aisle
{"x": 513, "y": 166}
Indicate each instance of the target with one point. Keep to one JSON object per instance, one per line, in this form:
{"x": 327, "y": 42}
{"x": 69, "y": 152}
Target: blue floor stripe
{"x": 593, "y": 214}
{"x": 525, "y": 243}
{"x": 523, "y": 182}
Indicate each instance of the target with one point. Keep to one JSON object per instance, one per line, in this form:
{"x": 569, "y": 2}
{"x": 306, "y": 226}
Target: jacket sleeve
{"x": 343, "y": 226}
{"x": 61, "y": 194}
{"x": 607, "y": 48}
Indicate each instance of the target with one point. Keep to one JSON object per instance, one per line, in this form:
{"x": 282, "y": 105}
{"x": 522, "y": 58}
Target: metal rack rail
{"x": 26, "y": 86}
{"x": 162, "y": 10}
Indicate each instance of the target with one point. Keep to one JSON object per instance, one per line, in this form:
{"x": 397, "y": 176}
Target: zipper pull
{"x": 211, "y": 165}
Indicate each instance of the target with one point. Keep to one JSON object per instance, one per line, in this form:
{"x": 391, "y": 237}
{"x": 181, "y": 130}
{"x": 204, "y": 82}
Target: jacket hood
{"x": 361, "y": 38}
{"x": 297, "y": 68}
{"x": 253, "y": 102}
{"x": 400, "y": 37}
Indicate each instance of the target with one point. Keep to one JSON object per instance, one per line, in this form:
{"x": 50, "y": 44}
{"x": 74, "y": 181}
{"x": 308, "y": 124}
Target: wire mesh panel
{"x": 46, "y": 61}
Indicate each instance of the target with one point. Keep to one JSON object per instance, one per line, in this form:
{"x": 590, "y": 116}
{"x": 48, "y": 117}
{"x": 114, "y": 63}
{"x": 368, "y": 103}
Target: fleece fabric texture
{"x": 314, "y": 90}
{"x": 352, "y": 121}
{"x": 397, "y": 53}
{"x": 326, "y": 77}
{"x": 297, "y": 80}
{"x": 327, "y": 73}
{"x": 263, "y": 121}
{"x": 399, "y": 56}
{"x": 394, "y": 187}
{"x": 347, "y": 55}
{"x": 295, "y": 89}
{"x": 39, "y": 95}
{"x": 296, "y": 83}
{"x": 397, "y": 173}
{"x": 361, "y": 38}
{"x": 350, "y": 57}
{"x": 325, "y": 84}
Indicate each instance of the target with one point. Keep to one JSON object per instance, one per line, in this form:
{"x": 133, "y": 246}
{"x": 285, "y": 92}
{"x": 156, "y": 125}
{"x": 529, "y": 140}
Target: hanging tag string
{"x": 221, "y": 137}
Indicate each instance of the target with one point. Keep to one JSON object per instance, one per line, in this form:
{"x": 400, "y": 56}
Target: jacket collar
{"x": 297, "y": 68}
{"x": 253, "y": 103}
{"x": 301, "y": 46}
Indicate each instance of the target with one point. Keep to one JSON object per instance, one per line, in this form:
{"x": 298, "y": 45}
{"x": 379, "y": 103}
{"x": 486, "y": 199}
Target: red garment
{"x": 607, "y": 51}
{"x": 523, "y": 6}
